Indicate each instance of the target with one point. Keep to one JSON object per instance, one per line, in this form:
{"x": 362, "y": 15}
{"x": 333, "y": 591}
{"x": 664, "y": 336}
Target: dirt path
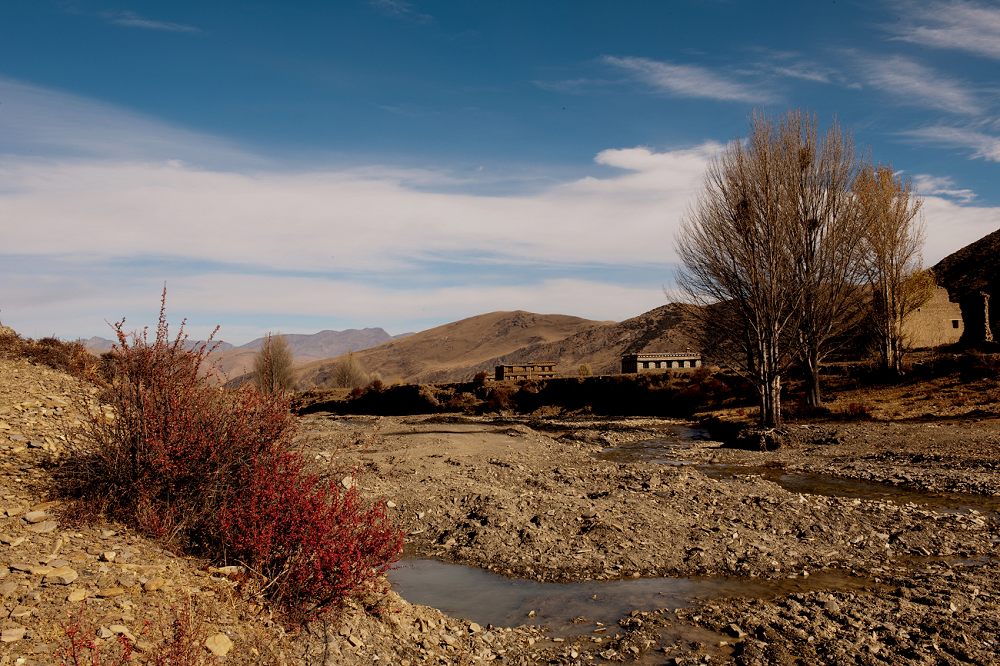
{"x": 540, "y": 503}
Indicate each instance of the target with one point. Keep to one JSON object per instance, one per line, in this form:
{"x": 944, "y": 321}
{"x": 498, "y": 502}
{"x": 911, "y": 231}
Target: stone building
{"x": 539, "y": 370}
{"x": 937, "y": 322}
{"x": 972, "y": 277}
{"x": 659, "y": 362}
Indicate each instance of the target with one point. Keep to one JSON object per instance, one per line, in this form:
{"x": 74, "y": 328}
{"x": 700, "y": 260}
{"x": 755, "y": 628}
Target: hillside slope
{"x": 449, "y": 351}
{"x": 457, "y": 351}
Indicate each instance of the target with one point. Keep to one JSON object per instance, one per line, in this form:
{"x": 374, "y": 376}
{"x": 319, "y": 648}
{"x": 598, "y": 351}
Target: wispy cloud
{"x": 688, "y": 80}
{"x": 914, "y": 84}
{"x": 982, "y": 145}
{"x": 129, "y": 19}
{"x": 40, "y": 121}
{"x": 942, "y": 186}
{"x": 964, "y": 26}
{"x": 401, "y": 9}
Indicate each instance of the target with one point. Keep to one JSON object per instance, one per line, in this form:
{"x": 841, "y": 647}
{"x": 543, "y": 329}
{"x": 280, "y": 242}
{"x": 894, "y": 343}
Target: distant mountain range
{"x": 234, "y": 361}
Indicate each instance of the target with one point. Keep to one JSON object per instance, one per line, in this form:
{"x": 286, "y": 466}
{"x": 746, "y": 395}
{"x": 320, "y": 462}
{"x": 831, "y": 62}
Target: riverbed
{"x": 702, "y": 542}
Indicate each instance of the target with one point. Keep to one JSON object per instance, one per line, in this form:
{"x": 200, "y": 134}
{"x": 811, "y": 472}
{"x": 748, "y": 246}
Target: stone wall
{"x": 938, "y": 322}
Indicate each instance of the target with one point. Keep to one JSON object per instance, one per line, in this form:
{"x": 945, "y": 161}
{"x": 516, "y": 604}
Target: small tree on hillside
{"x": 893, "y": 240}
{"x": 272, "y": 367}
{"x": 349, "y": 373}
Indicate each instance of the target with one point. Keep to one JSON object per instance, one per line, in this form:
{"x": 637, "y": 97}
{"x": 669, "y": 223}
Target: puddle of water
{"x": 661, "y": 450}
{"x": 488, "y": 598}
{"x": 666, "y": 451}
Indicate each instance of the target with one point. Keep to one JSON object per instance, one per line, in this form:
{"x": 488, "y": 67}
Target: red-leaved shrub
{"x": 312, "y": 540}
{"x": 212, "y": 470}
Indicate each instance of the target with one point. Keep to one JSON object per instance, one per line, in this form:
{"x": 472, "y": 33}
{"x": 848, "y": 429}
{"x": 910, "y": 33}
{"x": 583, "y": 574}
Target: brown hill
{"x": 448, "y": 352}
{"x": 457, "y": 351}
{"x": 668, "y": 328}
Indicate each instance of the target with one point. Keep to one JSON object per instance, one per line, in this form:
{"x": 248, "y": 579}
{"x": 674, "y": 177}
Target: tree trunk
{"x": 770, "y": 401}
{"x": 814, "y": 397}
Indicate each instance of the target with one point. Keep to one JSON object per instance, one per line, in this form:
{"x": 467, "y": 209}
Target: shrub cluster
{"x": 212, "y": 470}
{"x": 69, "y": 357}
{"x": 660, "y": 394}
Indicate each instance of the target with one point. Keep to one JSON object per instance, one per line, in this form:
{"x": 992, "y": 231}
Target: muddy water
{"x": 573, "y": 608}
{"x": 668, "y": 451}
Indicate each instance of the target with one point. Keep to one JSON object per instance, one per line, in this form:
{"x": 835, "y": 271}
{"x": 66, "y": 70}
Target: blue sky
{"x": 400, "y": 163}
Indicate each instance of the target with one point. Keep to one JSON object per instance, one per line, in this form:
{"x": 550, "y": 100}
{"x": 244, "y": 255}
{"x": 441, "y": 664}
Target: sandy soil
{"x": 538, "y": 499}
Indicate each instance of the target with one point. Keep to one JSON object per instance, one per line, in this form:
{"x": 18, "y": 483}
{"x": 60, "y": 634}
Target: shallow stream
{"x": 572, "y": 608}
{"x": 667, "y": 451}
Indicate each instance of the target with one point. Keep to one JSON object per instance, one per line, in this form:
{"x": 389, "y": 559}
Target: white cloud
{"x": 92, "y": 236}
{"x": 964, "y": 26}
{"x": 927, "y": 185}
{"x": 688, "y": 80}
{"x": 130, "y": 19}
{"x": 951, "y": 226}
{"x": 914, "y": 84}
{"x": 983, "y": 146}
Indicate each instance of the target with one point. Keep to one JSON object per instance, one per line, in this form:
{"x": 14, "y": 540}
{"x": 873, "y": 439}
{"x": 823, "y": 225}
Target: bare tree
{"x": 735, "y": 249}
{"x": 272, "y": 367}
{"x": 829, "y": 240}
{"x": 893, "y": 239}
{"x": 774, "y": 249}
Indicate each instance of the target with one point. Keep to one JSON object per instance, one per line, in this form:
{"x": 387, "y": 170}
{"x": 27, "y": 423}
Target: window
{"x": 954, "y": 323}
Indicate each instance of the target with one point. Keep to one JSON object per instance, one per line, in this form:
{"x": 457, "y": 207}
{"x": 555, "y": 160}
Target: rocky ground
{"x": 540, "y": 500}
{"x": 799, "y": 577}
{"x": 103, "y": 581}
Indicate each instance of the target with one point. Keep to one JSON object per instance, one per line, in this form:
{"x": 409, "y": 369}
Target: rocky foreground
{"x": 541, "y": 500}
{"x": 801, "y": 577}
{"x": 102, "y": 582}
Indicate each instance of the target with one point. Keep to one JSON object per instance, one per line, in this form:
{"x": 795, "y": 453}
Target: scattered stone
{"x": 77, "y": 595}
{"x": 154, "y": 584}
{"x": 122, "y": 630}
{"x": 348, "y": 482}
{"x": 107, "y": 556}
{"x": 61, "y": 576}
{"x": 33, "y": 517}
{"x": 44, "y": 527}
{"x": 20, "y": 611}
{"x": 12, "y": 634}
{"x": 108, "y": 592}
{"x": 219, "y": 644}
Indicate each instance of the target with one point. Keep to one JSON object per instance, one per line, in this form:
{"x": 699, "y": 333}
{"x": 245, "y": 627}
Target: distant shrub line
{"x": 624, "y": 395}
